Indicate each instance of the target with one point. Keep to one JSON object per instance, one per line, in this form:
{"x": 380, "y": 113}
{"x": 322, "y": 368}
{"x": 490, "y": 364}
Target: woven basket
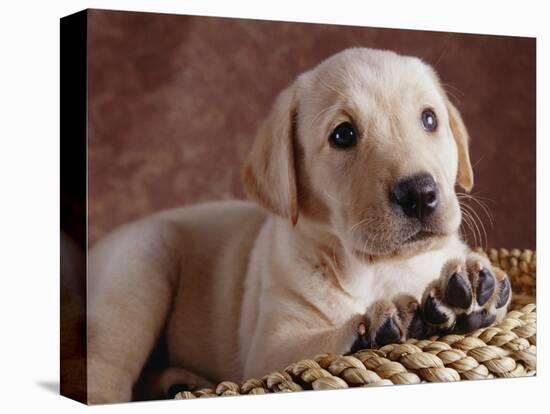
{"x": 504, "y": 350}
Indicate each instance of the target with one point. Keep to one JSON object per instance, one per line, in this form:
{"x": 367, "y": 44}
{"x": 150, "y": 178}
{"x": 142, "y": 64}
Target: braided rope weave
{"x": 507, "y": 349}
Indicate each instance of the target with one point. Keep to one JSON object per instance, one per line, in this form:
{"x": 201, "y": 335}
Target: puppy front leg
{"x": 282, "y": 343}
{"x": 284, "y": 339}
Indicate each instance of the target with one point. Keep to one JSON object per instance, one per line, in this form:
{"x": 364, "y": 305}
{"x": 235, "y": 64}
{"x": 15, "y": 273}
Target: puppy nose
{"x": 416, "y": 196}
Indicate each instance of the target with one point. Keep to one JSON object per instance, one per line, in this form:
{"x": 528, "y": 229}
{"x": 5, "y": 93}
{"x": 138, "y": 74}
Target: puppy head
{"x": 367, "y": 145}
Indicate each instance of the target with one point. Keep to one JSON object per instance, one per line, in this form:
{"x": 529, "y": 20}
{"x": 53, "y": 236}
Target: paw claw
{"x": 478, "y": 266}
{"x": 412, "y": 306}
{"x": 500, "y": 274}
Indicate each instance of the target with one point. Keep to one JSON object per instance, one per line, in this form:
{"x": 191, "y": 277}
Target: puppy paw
{"x": 386, "y": 322}
{"x": 469, "y": 294}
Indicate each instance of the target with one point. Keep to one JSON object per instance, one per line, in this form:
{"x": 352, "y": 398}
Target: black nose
{"x": 416, "y": 196}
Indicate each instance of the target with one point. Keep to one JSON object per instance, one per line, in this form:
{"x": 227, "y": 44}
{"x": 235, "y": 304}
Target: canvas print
{"x": 252, "y": 207}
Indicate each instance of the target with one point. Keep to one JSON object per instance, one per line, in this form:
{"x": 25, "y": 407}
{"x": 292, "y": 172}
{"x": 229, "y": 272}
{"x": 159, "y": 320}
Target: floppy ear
{"x": 465, "y": 177}
{"x": 269, "y": 174}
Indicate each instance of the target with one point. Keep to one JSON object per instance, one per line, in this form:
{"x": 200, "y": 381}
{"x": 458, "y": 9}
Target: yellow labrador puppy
{"x": 351, "y": 241}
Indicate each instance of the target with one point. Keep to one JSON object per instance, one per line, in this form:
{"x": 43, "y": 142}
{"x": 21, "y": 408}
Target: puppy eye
{"x": 429, "y": 120}
{"x": 344, "y": 136}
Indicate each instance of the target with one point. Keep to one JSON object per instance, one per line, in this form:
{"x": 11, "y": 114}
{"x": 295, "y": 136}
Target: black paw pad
{"x": 475, "y": 320}
{"x": 504, "y": 295}
{"x": 432, "y": 314}
{"x": 362, "y": 342}
{"x": 388, "y": 333}
{"x": 458, "y": 293}
{"x": 417, "y": 328}
{"x": 485, "y": 286}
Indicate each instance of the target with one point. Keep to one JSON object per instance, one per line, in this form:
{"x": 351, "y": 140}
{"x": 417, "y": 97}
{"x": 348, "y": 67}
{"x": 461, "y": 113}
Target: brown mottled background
{"x": 174, "y": 102}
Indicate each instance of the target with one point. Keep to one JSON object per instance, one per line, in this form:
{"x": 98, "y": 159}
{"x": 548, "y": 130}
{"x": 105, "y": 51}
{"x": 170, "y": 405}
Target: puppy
{"x": 351, "y": 242}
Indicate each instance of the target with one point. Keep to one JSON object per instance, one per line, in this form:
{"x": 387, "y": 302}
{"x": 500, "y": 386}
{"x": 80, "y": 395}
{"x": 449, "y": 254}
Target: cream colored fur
{"x": 241, "y": 288}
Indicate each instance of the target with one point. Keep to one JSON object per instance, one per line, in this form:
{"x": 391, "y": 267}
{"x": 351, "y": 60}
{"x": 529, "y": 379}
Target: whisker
{"x": 366, "y": 220}
{"x": 480, "y": 222}
{"x": 453, "y": 87}
{"x": 469, "y": 223}
{"x": 443, "y": 52}
{"x": 477, "y": 162}
{"x": 367, "y": 243}
{"x": 477, "y": 195}
{"x": 370, "y": 240}
{"x": 473, "y": 230}
{"x": 452, "y": 94}
{"x": 477, "y": 219}
{"x": 481, "y": 204}
{"x": 480, "y": 197}
{"x": 473, "y": 225}
{"x": 453, "y": 91}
